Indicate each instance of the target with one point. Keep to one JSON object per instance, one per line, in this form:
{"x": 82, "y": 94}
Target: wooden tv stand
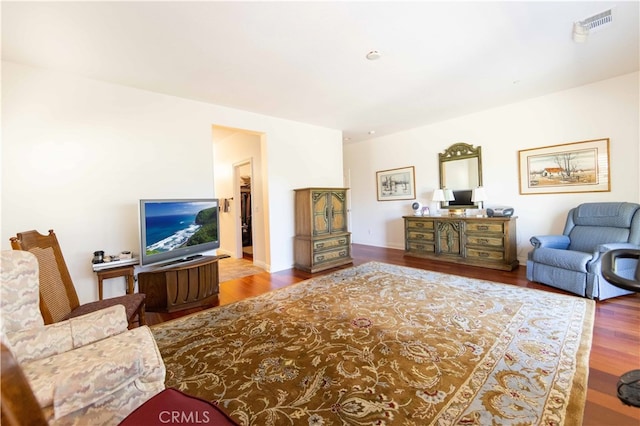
{"x": 182, "y": 285}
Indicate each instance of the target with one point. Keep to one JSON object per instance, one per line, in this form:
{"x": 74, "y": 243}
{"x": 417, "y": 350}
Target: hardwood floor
{"x": 616, "y": 335}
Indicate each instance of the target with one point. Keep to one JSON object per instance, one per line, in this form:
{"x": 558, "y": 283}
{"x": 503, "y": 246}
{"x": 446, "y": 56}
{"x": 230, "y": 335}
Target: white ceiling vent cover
{"x": 597, "y": 22}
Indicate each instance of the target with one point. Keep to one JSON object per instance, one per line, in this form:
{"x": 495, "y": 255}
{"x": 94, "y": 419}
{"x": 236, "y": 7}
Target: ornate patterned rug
{"x": 384, "y": 344}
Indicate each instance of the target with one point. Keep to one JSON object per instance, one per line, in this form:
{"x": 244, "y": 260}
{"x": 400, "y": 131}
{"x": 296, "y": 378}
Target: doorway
{"x": 244, "y": 230}
{"x": 239, "y": 175}
{"x": 245, "y": 212}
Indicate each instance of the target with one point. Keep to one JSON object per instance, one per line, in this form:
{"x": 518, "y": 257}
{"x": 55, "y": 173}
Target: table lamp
{"x": 479, "y": 195}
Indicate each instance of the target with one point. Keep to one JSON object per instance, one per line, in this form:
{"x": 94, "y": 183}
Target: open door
{"x": 244, "y": 228}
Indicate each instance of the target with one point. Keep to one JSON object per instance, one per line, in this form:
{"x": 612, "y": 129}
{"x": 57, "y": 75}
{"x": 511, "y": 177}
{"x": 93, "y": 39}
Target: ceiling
{"x": 305, "y": 61}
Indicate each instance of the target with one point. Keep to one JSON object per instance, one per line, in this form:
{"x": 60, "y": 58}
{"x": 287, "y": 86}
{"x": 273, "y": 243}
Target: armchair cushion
{"x": 94, "y": 382}
{"x": 565, "y": 259}
{"x": 87, "y": 375}
{"x": 550, "y": 241}
{"x": 98, "y": 325}
{"x": 588, "y": 238}
{"x": 617, "y": 215}
{"x": 30, "y": 344}
{"x": 130, "y": 302}
{"x": 19, "y": 295}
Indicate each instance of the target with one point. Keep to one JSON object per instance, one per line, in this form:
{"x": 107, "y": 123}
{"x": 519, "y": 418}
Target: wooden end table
{"x": 120, "y": 271}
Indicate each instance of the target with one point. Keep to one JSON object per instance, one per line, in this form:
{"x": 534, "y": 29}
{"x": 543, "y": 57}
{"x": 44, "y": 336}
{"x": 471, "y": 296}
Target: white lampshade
{"x": 479, "y": 195}
{"x": 448, "y": 195}
{"x": 438, "y": 195}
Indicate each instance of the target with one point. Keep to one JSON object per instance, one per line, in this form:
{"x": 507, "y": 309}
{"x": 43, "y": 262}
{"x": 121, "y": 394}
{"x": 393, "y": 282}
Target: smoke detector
{"x": 373, "y": 55}
{"x": 592, "y": 24}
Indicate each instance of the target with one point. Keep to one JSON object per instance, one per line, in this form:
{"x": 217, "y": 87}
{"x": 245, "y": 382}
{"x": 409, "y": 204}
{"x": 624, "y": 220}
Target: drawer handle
{"x": 483, "y": 254}
{"x": 420, "y": 225}
{"x": 483, "y": 241}
{"x": 320, "y": 245}
{"x": 320, "y": 258}
{"x": 420, "y": 246}
{"x": 419, "y": 236}
{"x": 483, "y": 228}
{"x": 342, "y": 241}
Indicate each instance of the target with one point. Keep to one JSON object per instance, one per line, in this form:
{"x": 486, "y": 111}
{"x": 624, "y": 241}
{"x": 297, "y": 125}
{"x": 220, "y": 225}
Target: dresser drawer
{"x": 330, "y": 243}
{"x": 420, "y": 236}
{"x": 420, "y": 247}
{"x": 331, "y": 255}
{"x": 483, "y": 240}
{"x": 417, "y": 224}
{"x": 497, "y": 227}
{"x": 477, "y": 254}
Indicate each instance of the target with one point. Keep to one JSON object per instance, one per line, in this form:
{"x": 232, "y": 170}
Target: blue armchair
{"x": 572, "y": 261}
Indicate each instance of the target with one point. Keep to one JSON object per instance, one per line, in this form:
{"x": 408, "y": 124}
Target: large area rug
{"x": 383, "y": 344}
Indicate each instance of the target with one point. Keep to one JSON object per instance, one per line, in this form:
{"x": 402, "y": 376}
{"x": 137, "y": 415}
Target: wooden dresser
{"x": 489, "y": 242}
{"x": 322, "y": 239}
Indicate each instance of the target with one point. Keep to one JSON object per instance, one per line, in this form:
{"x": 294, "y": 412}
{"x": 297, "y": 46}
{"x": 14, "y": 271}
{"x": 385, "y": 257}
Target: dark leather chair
{"x": 629, "y": 383}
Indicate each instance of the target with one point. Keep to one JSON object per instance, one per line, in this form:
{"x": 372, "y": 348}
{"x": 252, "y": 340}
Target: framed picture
{"x": 571, "y": 167}
{"x": 396, "y": 184}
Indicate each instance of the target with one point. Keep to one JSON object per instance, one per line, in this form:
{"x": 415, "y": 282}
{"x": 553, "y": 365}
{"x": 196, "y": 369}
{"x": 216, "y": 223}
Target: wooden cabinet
{"x": 322, "y": 239}
{"x": 489, "y": 242}
{"x": 181, "y": 286}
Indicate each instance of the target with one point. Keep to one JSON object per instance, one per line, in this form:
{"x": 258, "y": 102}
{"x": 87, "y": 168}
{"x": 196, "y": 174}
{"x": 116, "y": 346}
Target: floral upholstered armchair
{"x": 573, "y": 261}
{"x": 87, "y": 370}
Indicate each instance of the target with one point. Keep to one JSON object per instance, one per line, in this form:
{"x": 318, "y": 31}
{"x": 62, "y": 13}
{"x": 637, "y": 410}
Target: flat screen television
{"x": 462, "y": 198}
{"x": 178, "y": 230}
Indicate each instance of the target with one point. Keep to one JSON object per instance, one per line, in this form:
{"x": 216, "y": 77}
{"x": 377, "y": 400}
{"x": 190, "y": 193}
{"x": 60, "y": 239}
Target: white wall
{"x": 78, "y": 154}
{"x": 607, "y": 109}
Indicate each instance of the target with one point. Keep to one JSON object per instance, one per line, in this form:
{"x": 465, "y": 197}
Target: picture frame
{"x": 396, "y": 184}
{"x": 565, "y": 168}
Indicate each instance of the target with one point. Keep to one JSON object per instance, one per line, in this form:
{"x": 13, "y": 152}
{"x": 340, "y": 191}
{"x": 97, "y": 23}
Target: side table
{"x": 123, "y": 271}
{"x": 123, "y": 268}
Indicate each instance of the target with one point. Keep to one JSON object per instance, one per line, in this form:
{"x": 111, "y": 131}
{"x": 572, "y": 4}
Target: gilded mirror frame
{"x": 457, "y": 152}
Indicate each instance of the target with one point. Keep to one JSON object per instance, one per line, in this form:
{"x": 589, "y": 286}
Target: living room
{"x": 76, "y": 144}
{"x": 79, "y": 152}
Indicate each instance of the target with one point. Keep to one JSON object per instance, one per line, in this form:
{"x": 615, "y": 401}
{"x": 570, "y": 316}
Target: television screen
{"x": 173, "y": 230}
{"x": 462, "y": 198}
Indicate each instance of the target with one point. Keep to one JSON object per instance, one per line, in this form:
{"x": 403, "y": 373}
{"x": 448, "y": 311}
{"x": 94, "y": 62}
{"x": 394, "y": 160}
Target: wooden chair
{"x": 58, "y": 297}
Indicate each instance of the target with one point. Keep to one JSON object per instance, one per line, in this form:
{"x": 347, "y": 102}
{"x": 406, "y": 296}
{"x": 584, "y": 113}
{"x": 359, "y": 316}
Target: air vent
{"x": 592, "y": 24}
{"x": 597, "y": 22}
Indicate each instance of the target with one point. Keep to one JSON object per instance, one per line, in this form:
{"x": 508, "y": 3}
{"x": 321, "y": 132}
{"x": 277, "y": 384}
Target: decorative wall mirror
{"x": 460, "y": 172}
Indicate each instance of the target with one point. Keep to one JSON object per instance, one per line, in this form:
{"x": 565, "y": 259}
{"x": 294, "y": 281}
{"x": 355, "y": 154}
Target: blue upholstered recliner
{"x": 572, "y": 261}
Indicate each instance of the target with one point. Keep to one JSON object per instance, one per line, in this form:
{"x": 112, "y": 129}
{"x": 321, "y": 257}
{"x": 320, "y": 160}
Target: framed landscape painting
{"x": 396, "y": 184}
{"x": 571, "y": 167}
